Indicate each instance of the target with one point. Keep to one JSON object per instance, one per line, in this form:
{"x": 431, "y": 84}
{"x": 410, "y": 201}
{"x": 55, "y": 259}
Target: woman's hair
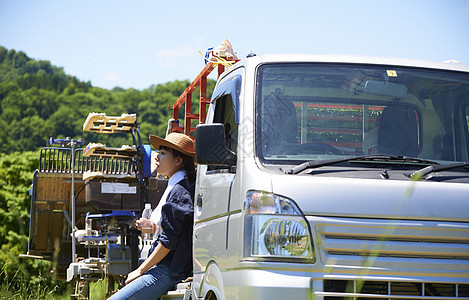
{"x": 187, "y": 161}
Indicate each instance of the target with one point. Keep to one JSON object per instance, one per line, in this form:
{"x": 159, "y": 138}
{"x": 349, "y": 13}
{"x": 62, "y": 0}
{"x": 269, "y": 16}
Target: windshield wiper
{"x": 312, "y": 164}
{"x": 417, "y": 175}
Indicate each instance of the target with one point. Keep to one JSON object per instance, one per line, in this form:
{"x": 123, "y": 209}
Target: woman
{"x": 170, "y": 256}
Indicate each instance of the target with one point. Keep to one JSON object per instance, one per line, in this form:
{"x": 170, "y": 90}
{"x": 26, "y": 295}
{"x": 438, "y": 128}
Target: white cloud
{"x": 112, "y": 77}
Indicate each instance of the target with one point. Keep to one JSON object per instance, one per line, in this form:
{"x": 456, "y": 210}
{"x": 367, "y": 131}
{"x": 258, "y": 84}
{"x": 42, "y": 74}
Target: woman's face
{"x": 167, "y": 163}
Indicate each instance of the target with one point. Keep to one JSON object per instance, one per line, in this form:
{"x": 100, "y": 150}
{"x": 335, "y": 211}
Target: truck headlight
{"x": 275, "y": 228}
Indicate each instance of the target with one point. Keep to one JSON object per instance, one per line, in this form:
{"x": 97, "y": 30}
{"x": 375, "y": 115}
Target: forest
{"x": 38, "y": 101}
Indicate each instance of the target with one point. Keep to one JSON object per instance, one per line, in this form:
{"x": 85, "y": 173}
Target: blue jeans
{"x": 151, "y": 285}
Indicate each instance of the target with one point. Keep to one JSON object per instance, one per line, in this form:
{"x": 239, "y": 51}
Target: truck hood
{"x": 375, "y": 198}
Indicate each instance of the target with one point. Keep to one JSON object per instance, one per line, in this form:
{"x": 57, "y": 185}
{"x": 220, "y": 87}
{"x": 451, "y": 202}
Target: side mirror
{"x": 210, "y": 146}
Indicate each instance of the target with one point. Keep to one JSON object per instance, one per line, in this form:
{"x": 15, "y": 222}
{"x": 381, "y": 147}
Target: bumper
{"x": 300, "y": 283}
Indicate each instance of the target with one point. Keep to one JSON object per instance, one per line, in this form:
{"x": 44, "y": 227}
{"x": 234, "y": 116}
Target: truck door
{"x": 214, "y": 190}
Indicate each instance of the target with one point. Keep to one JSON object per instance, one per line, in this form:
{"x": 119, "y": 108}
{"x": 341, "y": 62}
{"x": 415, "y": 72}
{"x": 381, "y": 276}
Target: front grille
{"x": 401, "y": 245}
{"x": 356, "y": 289}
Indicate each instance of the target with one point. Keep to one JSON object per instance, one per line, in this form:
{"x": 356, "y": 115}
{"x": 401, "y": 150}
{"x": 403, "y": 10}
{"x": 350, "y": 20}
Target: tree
{"x": 39, "y": 101}
{"x": 16, "y": 172}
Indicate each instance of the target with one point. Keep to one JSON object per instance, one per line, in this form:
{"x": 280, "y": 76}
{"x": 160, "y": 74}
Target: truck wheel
{"x": 210, "y": 296}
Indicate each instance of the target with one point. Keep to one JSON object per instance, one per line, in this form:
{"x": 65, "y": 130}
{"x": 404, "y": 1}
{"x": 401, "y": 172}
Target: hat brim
{"x": 158, "y": 142}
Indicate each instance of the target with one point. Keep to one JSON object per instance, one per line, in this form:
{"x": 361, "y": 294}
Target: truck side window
{"x": 224, "y": 113}
{"x": 465, "y": 125}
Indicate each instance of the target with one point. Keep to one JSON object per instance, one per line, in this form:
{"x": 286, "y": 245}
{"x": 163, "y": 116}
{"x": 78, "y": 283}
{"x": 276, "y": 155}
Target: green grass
{"x": 25, "y": 291}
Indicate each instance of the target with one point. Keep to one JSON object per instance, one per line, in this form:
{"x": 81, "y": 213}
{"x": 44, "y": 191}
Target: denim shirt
{"x": 177, "y": 216}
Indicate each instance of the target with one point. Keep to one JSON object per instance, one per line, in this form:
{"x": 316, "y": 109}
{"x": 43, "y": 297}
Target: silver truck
{"x": 334, "y": 177}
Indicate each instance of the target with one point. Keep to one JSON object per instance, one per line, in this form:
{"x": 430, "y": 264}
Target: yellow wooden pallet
{"x": 101, "y": 151}
{"x": 88, "y": 175}
{"x": 99, "y": 122}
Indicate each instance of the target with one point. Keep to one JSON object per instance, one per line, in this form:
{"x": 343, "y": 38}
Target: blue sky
{"x": 140, "y": 43}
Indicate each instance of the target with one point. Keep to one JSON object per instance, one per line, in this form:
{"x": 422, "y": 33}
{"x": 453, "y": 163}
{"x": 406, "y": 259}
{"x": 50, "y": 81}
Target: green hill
{"x": 38, "y": 101}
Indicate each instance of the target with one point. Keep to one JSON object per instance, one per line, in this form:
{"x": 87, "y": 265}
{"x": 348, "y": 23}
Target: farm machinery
{"x": 84, "y": 203}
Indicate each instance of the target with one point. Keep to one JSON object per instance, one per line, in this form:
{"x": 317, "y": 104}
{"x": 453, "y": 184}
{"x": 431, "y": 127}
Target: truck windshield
{"x": 311, "y": 111}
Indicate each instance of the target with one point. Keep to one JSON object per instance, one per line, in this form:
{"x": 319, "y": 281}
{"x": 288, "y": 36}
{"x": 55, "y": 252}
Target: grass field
{"x": 24, "y": 291}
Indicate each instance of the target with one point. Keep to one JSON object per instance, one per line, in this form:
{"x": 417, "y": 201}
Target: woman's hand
{"x": 142, "y": 222}
{"x": 133, "y": 275}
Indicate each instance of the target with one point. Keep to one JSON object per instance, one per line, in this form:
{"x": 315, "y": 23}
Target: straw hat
{"x": 176, "y": 141}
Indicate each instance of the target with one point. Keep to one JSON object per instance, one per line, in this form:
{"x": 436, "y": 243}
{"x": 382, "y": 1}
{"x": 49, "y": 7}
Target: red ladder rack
{"x": 186, "y": 100}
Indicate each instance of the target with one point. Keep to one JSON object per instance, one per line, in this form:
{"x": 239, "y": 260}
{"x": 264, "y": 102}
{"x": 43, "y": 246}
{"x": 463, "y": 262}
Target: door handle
{"x": 199, "y": 201}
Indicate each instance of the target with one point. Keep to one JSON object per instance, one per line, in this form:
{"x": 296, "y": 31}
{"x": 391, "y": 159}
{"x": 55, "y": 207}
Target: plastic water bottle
{"x": 147, "y": 229}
